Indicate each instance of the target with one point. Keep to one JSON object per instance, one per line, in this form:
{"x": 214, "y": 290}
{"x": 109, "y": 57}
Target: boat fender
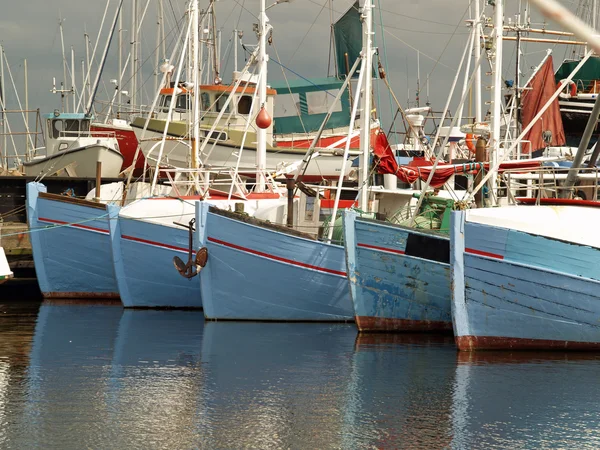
{"x": 470, "y": 140}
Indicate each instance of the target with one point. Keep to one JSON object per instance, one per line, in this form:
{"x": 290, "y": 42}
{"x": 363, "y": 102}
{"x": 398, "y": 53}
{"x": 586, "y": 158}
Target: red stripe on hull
{"x": 277, "y": 258}
{"x": 366, "y": 323}
{"x": 75, "y": 225}
{"x": 157, "y": 244}
{"x": 482, "y": 253}
{"x": 75, "y": 296}
{"x": 383, "y": 249}
{"x": 471, "y": 343}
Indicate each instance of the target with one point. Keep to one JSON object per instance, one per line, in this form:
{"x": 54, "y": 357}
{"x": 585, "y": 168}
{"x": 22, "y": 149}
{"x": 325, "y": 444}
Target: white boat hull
{"x": 176, "y": 153}
{"x": 81, "y": 160}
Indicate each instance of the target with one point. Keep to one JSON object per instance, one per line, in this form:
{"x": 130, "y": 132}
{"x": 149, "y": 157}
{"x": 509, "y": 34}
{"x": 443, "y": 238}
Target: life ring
{"x": 570, "y": 88}
{"x": 470, "y": 141}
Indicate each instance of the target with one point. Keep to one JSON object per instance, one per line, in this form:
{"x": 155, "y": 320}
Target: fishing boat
{"x": 524, "y": 276}
{"x": 399, "y": 265}
{"x": 257, "y": 270}
{"x": 72, "y": 147}
{"x": 70, "y": 244}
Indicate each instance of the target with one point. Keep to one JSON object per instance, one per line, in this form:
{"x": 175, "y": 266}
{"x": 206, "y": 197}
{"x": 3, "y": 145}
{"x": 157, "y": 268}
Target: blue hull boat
{"x": 257, "y": 271}
{"x": 526, "y": 277}
{"x": 399, "y": 276}
{"x": 73, "y": 255}
{"x": 145, "y": 236}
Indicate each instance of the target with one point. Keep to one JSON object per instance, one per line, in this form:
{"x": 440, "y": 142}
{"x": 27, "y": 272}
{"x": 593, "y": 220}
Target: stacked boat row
{"x": 521, "y": 276}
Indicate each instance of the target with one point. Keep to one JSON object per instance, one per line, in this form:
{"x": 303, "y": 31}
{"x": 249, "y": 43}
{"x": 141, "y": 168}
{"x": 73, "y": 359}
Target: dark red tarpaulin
{"x": 539, "y": 90}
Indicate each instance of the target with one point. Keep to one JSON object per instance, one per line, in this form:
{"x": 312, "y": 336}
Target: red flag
{"x": 538, "y": 92}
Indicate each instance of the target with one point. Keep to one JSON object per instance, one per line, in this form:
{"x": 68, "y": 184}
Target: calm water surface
{"x": 82, "y": 376}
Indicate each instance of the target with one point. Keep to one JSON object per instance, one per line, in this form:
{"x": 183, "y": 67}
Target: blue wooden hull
{"x": 73, "y": 256}
{"x": 515, "y": 290}
{"x": 399, "y": 278}
{"x": 143, "y": 259}
{"x": 256, "y": 273}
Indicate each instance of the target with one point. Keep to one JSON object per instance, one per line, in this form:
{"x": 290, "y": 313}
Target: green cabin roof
{"x": 307, "y": 123}
{"x": 588, "y": 73}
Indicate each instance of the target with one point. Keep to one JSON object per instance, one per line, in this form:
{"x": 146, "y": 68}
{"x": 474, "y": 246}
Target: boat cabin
{"x": 302, "y": 105}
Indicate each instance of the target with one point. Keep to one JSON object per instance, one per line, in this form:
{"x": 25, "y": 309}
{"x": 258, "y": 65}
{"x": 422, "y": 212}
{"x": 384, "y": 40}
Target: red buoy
{"x": 263, "y": 119}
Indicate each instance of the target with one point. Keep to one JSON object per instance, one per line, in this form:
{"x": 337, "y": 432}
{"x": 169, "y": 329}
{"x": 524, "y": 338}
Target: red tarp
{"x": 386, "y": 163}
{"x": 540, "y": 89}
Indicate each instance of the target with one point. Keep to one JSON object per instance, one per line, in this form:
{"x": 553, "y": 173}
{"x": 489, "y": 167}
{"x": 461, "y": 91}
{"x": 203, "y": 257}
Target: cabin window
{"x": 244, "y": 104}
{"x": 165, "y": 102}
{"x": 319, "y": 102}
{"x": 221, "y": 102}
{"x": 183, "y": 103}
{"x": 205, "y": 98}
{"x": 72, "y": 127}
{"x": 287, "y": 105}
{"x": 57, "y": 128}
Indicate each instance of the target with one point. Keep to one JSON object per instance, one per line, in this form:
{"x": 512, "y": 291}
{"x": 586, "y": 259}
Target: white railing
{"x": 548, "y": 182}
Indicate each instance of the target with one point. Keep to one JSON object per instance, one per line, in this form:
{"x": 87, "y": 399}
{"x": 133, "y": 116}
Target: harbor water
{"x": 97, "y": 376}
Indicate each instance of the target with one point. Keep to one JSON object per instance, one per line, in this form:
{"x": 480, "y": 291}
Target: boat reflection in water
{"x": 400, "y": 393}
{"x": 70, "y": 358}
{"x": 155, "y": 384}
{"x": 276, "y": 385}
{"x": 526, "y": 400}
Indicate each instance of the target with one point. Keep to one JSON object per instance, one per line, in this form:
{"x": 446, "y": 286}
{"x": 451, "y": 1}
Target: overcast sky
{"x": 30, "y": 30}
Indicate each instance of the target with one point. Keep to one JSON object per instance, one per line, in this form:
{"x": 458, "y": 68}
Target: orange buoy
{"x": 470, "y": 140}
{"x": 263, "y": 119}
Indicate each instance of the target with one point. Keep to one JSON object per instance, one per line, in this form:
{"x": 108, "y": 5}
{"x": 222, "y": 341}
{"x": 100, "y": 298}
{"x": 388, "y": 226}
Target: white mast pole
{"x": 120, "y": 80}
{"x": 263, "y": 58}
{"x": 133, "y": 38}
{"x": 89, "y": 65}
{"x": 496, "y": 93}
{"x": 235, "y": 51}
{"x": 73, "y": 78}
{"x": 3, "y": 95}
{"x": 365, "y": 130}
{"x": 157, "y": 52}
{"x": 64, "y": 58}
{"x": 196, "y": 106}
{"x": 477, "y": 46}
{"x": 28, "y": 139}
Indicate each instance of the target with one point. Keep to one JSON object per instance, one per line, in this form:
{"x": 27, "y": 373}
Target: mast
{"x": 90, "y": 105}
{"x": 64, "y": 58}
{"x": 477, "y": 46}
{"x": 496, "y": 93}
{"x": 133, "y": 39}
{"x": 3, "y": 95}
{"x": 120, "y": 79}
{"x": 73, "y": 78}
{"x": 195, "y": 109}
{"x": 365, "y": 130}
{"x": 28, "y": 140}
{"x": 263, "y": 58}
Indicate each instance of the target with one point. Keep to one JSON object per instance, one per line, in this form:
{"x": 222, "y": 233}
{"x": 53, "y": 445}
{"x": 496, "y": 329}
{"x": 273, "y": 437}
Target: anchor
{"x": 193, "y": 266}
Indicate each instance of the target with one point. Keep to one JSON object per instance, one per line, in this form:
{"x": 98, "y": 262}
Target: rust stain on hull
{"x": 82, "y": 295}
{"x": 381, "y": 324}
{"x": 471, "y": 343}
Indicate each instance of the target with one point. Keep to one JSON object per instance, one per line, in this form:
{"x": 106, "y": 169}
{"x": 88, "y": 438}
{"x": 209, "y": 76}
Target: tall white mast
{"x": 120, "y": 79}
{"x": 263, "y": 58}
{"x": 496, "y": 118}
{"x": 3, "y": 95}
{"x": 477, "y": 46}
{"x": 365, "y": 130}
{"x": 134, "y": 60}
{"x": 73, "y": 78}
{"x": 195, "y": 80}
